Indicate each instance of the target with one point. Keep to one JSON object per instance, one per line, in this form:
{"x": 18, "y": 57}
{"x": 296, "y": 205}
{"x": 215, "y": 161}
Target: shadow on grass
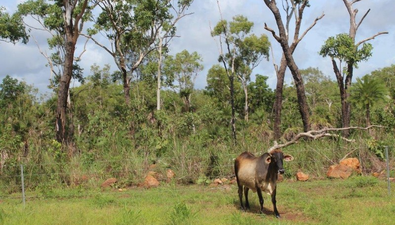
{"x": 254, "y": 208}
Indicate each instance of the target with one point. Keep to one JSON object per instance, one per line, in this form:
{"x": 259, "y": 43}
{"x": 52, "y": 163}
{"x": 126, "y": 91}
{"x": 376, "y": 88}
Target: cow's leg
{"x": 274, "y": 203}
{"x": 259, "y": 191}
{"x": 241, "y": 196}
{"x": 246, "y": 197}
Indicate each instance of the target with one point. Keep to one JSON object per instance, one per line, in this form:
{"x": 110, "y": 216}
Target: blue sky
{"x": 25, "y": 62}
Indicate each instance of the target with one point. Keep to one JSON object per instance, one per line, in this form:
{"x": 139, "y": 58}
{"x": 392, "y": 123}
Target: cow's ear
{"x": 288, "y": 157}
{"x": 268, "y": 159}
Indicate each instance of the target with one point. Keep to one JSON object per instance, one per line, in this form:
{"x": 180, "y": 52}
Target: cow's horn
{"x": 273, "y": 148}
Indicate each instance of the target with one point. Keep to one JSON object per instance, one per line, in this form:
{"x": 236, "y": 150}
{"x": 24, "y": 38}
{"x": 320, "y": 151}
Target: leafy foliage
{"x": 12, "y": 27}
{"x": 342, "y": 47}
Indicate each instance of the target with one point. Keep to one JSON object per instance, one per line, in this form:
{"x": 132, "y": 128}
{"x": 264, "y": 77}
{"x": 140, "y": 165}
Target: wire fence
{"x": 47, "y": 177}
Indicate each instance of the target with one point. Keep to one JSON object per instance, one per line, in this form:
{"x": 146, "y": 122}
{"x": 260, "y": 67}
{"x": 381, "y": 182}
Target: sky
{"x": 25, "y": 62}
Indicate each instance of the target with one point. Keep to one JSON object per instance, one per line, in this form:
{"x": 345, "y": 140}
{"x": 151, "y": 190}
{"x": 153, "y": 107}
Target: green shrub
{"x": 181, "y": 214}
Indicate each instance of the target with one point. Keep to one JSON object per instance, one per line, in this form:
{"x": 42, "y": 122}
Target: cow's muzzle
{"x": 281, "y": 171}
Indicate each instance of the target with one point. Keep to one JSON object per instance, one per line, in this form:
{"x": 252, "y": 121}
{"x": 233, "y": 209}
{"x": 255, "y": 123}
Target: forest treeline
{"x": 148, "y": 111}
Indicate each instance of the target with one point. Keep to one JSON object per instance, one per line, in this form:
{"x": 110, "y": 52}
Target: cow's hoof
{"x": 278, "y": 216}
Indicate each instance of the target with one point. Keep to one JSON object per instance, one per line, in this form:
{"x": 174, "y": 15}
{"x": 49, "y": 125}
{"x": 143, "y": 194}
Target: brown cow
{"x": 259, "y": 174}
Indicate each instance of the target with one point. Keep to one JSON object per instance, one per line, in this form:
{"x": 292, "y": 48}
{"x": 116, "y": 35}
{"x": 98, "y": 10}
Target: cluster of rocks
{"x": 344, "y": 169}
{"x": 152, "y": 179}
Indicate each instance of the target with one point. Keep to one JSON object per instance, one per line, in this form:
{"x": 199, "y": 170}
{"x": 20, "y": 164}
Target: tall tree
{"x": 346, "y": 49}
{"x": 185, "y": 68}
{"x": 252, "y": 50}
{"x": 135, "y": 29}
{"x": 240, "y": 53}
{"x": 66, "y": 18}
{"x": 293, "y": 9}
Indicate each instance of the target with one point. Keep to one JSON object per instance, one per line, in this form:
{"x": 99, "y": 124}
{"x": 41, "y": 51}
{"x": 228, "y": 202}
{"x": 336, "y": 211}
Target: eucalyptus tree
{"x": 63, "y": 20}
{"x": 251, "y": 51}
{"x": 239, "y": 53}
{"x": 293, "y": 9}
{"x": 344, "y": 48}
{"x": 366, "y": 92}
{"x": 134, "y": 29}
{"x": 12, "y": 28}
{"x": 184, "y": 67}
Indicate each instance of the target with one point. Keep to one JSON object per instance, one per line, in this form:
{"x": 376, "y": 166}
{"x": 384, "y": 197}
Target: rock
{"x": 170, "y": 175}
{"x": 352, "y": 163}
{"x": 150, "y": 181}
{"x": 218, "y": 181}
{"x": 109, "y": 182}
{"x": 300, "y": 176}
{"x": 224, "y": 180}
{"x": 339, "y": 171}
{"x": 376, "y": 174}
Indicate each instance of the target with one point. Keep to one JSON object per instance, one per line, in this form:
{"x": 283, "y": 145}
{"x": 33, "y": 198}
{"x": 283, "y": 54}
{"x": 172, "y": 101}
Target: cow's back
{"x": 245, "y": 169}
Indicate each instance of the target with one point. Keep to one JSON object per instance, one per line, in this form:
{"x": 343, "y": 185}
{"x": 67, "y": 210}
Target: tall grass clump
{"x": 181, "y": 214}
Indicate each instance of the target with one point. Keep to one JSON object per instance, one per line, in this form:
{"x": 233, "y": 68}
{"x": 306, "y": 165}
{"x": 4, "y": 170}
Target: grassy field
{"x": 358, "y": 200}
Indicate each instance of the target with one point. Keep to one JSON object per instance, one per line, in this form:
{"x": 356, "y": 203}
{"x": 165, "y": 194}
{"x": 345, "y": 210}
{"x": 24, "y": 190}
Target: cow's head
{"x": 277, "y": 157}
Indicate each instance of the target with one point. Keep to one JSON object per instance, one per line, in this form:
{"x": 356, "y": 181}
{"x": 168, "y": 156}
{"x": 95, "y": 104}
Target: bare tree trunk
{"x": 232, "y": 103}
{"x": 343, "y": 97}
{"x": 278, "y": 104}
{"x": 159, "y": 74}
{"x": 246, "y": 108}
{"x": 282, "y": 39}
{"x": 72, "y": 27}
{"x": 346, "y": 106}
{"x": 291, "y": 10}
{"x": 125, "y": 81}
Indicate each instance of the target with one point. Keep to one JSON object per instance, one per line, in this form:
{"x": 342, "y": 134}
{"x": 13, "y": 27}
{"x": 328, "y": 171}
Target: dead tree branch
{"x": 316, "y": 134}
{"x": 273, "y": 32}
{"x": 371, "y": 38}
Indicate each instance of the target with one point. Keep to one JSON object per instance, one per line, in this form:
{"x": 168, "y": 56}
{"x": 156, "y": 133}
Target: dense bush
{"x": 111, "y": 139}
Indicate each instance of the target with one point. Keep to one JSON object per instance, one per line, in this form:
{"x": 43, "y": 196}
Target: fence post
{"x": 23, "y": 186}
{"x": 388, "y": 170}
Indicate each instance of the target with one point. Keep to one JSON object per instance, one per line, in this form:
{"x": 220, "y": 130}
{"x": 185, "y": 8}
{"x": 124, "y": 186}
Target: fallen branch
{"x": 316, "y": 134}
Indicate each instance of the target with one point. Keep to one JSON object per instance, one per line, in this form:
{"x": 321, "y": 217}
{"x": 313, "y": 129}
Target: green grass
{"x": 358, "y": 200}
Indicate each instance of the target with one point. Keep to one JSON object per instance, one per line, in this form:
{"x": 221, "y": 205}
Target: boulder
{"x": 150, "y": 181}
{"x": 300, "y": 176}
{"x": 352, "y": 163}
{"x": 339, "y": 171}
{"x": 170, "y": 175}
{"x": 218, "y": 181}
{"x": 224, "y": 180}
{"x": 109, "y": 182}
